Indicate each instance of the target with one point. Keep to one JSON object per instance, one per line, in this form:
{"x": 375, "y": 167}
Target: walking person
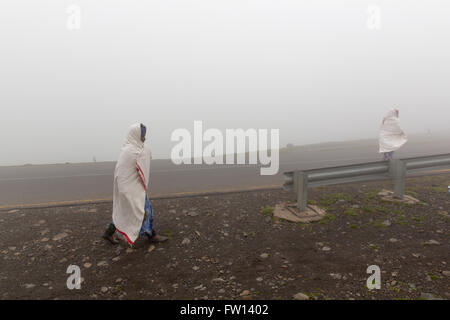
{"x": 392, "y": 137}
{"x": 132, "y": 211}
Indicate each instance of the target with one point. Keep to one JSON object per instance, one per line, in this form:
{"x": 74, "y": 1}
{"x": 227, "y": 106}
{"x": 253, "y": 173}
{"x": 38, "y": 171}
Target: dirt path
{"x": 230, "y": 247}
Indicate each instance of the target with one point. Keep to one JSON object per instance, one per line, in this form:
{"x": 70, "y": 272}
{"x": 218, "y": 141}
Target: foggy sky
{"x": 309, "y": 68}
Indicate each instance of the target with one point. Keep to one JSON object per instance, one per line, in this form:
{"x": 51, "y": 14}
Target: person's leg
{"x": 109, "y": 233}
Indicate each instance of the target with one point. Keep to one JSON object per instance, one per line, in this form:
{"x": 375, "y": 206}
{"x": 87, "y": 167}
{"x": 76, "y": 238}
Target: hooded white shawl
{"x": 130, "y": 184}
{"x": 392, "y": 136}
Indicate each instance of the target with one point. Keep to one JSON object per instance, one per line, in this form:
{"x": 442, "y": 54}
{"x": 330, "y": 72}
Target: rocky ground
{"x": 231, "y": 247}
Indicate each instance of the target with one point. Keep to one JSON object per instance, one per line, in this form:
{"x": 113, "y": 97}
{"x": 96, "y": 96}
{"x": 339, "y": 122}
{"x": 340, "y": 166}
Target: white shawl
{"x": 392, "y": 136}
{"x": 130, "y": 177}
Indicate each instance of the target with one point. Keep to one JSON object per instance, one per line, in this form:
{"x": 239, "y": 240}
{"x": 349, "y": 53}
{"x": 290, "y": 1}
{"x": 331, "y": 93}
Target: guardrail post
{"x": 397, "y": 170}
{"x": 301, "y": 187}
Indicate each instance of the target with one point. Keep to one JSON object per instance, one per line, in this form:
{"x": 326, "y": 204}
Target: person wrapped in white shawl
{"x": 392, "y": 137}
{"x": 132, "y": 211}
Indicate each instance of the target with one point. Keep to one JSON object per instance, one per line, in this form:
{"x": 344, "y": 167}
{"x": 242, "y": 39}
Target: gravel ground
{"x": 231, "y": 247}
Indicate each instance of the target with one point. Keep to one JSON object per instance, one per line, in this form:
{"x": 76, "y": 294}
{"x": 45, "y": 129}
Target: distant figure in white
{"x": 132, "y": 211}
{"x": 392, "y": 137}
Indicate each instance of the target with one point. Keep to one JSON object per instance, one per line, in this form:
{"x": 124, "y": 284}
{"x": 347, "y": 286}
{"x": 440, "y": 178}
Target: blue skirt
{"x": 147, "y": 224}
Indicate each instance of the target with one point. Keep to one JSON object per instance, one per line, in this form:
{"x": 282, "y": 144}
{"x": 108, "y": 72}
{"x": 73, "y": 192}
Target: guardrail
{"x": 298, "y": 181}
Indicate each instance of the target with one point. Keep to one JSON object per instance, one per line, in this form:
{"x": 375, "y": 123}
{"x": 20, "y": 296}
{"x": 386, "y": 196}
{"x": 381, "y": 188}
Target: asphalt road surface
{"x": 54, "y": 183}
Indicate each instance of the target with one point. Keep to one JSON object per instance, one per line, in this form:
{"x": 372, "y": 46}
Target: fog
{"x": 313, "y": 69}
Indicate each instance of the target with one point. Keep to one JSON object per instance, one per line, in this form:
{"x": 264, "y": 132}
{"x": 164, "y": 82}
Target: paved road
{"x": 37, "y": 184}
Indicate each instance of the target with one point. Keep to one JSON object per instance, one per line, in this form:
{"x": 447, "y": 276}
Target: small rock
{"x": 60, "y": 236}
{"x": 13, "y": 211}
{"x": 216, "y": 280}
{"x": 259, "y": 279}
{"x": 264, "y": 255}
{"x": 301, "y": 296}
{"x": 115, "y": 259}
{"x": 129, "y": 250}
{"x": 386, "y": 223}
{"x": 446, "y": 273}
{"x": 118, "y": 280}
{"x": 185, "y": 241}
{"x": 87, "y": 265}
{"x": 336, "y": 276}
{"x": 30, "y": 286}
{"x": 102, "y": 263}
{"x": 104, "y": 289}
{"x": 443, "y": 213}
{"x": 326, "y": 248}
{"x": 393, "y": 240}
{"x": 151, "y": 248}
{"x": 245, "y": 293}
{"x": 192, "y": 214}
{"x": 431, "y": 242}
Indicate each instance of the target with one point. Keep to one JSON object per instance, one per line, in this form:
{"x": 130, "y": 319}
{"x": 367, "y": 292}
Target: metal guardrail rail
{"x": 299, "y": 181}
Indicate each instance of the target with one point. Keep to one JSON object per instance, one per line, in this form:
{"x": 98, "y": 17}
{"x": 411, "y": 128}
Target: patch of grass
{"x": 378, "y": 224}
{"x": 267, "y": 211}
{"x": 433, "y": 276}
{"x": 395, "y": 289}
{"x": 354, "y": 226}
{"x": 332, "y": 198}
{"x": 313, "y": 202}
{"x": 411, "y": 193}
{"x": 327, "y": 218}
{"x": 418, "y": 219}
{"x": 371, "y": 196}
{"x": 402, "y": 220}
{"x": 441, "y": 189}
{"x": 350, "y": 212}
{"x": 276, "y": 219}
{"x": 382, "y": 209}
{"x": 368, "y": 209}
{"x": 169, "y": 233}
{"x": 374, "y": 246}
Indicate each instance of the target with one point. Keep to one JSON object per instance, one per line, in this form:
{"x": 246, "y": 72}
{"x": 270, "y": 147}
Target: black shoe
{"x": 110, "y": 239}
